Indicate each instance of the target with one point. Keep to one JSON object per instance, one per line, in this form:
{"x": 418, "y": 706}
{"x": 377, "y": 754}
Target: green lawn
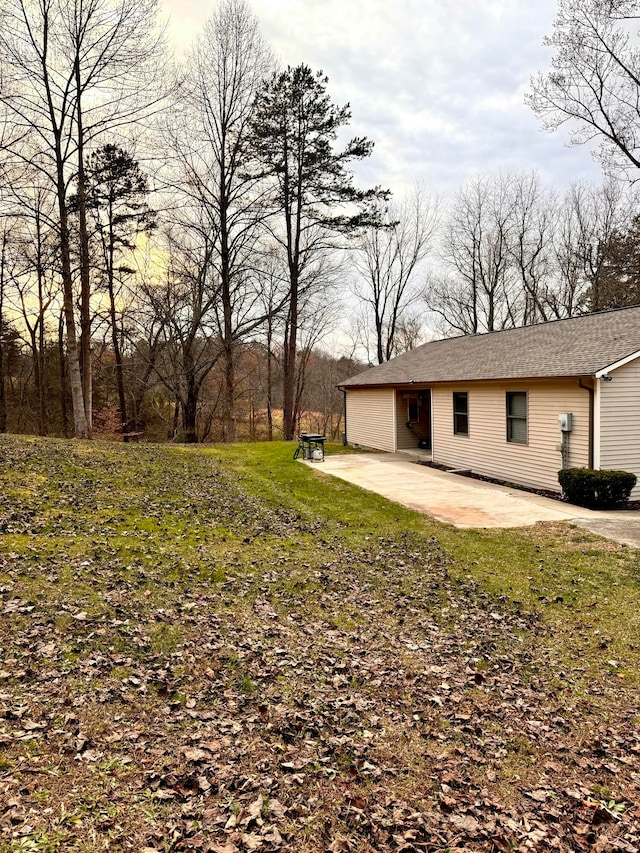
{"x": 220, "y": 649}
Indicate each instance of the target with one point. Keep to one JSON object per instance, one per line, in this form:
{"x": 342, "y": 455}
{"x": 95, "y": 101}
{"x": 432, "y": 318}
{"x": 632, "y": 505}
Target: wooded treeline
{"x": 514, "y": 253}
{"x": 170, "y": 234}
{"x": 179, "y": 242}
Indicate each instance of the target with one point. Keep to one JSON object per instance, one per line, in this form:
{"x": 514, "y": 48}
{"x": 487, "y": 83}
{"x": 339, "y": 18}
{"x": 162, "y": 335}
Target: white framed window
{"x": 517, "y": 426}
{"x": 461, "y": 413}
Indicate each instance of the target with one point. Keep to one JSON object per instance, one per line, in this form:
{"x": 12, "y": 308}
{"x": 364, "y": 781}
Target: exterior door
{"x": 419, "y": 416}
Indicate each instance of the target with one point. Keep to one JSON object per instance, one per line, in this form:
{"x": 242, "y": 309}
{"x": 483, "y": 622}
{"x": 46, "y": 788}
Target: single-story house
{"x": 515, "y": 405}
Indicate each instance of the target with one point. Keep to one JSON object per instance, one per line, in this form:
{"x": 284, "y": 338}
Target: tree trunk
{"x": 269, "y": 383}
{"x": 138, "y": 398}
{"x": 37, "y": 376}
{"x": 85, "y": 285}
{"x": 37, "y": 336}
{"x": 176, "y": 419}
{"x": 117, "y": 353}
{"x": 3, "y": 398}
{"x": 380, "y": 353}
{"x": 189, "y": 415}
{"x": 43, "y": 414}
{"x": 63, "y": 378}
{"x": 229, "y": 425}
{"x": 122, "y": 402}
{"x": 81, "y": 427}
{"x": 289, "y": 365}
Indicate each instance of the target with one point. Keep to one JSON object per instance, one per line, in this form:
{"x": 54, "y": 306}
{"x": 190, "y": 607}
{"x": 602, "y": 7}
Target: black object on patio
{"x": 311, "y": 445}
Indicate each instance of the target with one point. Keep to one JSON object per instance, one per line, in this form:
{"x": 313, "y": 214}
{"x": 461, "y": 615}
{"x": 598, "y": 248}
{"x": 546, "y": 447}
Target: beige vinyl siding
{"x": 620, "y": 421}
{"x": 485, "y": 450}
{"x": 371, "y": 418}
{"x": 405, "y": 438}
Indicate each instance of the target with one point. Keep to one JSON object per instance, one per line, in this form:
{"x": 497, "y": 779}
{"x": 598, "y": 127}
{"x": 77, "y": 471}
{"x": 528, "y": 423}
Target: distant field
{"x": 218, "y": 649}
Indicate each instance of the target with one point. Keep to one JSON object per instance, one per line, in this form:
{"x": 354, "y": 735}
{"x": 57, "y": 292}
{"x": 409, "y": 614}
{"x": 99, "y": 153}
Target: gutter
{"x": 408, "y": 383}
{"x": 344, "y": 408}
{"x": 591, "y": 421}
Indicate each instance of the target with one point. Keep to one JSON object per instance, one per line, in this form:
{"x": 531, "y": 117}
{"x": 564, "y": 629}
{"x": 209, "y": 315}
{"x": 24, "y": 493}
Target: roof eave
{"x": 616, "y": 364}
{"x": 449, "y": 381}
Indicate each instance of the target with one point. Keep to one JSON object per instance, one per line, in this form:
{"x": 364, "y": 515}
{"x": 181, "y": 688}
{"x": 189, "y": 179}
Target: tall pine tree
{"x": 116, "y": 197}
{"x": 294, "y": 131}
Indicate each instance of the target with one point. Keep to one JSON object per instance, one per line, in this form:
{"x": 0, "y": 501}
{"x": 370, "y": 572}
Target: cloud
{"x": 439, "y": 87}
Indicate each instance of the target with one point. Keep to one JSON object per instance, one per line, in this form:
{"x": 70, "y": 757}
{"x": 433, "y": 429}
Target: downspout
{"x": 344, "y": 409}
{"x": 591, "y": 423}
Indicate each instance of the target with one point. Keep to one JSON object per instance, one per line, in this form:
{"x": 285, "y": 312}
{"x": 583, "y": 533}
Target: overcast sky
{"x": 437, "y": 85}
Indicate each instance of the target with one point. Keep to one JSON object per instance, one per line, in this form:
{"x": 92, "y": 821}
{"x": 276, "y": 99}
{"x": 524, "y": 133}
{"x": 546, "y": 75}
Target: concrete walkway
{"x": 464, "y": 502}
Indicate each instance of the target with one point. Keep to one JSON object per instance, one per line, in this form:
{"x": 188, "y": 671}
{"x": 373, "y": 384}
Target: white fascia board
{"x": 617, "y": 364}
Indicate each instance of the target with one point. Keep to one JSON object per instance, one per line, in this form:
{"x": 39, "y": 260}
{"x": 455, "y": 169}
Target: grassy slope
{"x": 586, "y": 589}
{"x": 220, "y": 649}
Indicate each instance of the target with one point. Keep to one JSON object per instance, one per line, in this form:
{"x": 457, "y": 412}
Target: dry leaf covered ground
{"x": 220, "y": 650}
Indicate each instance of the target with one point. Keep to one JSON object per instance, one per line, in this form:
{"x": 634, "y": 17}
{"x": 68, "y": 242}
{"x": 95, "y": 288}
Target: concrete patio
{"x": 465, "y": 502}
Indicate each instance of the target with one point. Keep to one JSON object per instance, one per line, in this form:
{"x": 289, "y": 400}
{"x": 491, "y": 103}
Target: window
{"x": 413, "y": 410}
{"x": 517, "y": 417}
{"x": 461, "y": 413}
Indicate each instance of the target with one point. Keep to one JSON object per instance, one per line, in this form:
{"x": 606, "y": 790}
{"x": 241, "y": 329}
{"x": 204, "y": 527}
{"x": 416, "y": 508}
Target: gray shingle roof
{"x": 580, "y": 346}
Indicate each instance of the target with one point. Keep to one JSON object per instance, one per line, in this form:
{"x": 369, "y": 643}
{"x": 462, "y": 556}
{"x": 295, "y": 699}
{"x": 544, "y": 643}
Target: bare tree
{"x": 209, "y": 136}
{"x": 410, "y": 333}
{"x": 388, "y": 259}
{"x": 184, "y": 307}
{"x": 503, "y": 262}
{"x": 593, "y": 85}
{"x": 589, "y": 217}
{"x": 70, "y": 73}
{"x": 473, "y": 293}
{"x": 4, "y": 324}
{"x": 568, "y": 297}
{"x": 273, "y": 278}
{"x": 145, "y": 333}
{"x": 37, "y": 284}
{"x": 320, "y": 309}
{"x": 530, "y": 245}
{"x": 325, "y": 402}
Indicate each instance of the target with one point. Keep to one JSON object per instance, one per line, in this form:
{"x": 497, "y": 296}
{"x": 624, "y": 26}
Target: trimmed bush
{"x": 596, "y": 489}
